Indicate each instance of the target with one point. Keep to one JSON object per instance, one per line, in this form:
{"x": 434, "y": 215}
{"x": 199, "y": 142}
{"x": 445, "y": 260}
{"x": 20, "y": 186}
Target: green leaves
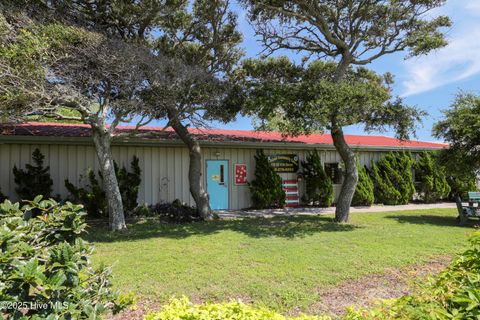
{"x": 298, "y": 99}
{"x": 43, "y": 261}
{"x": 319, "y": 187}
{"x": 266, "y": 188}
{"x": 433, "y": 182}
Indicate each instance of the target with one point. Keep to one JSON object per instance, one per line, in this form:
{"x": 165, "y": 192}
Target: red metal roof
{"x": 83, "y": 130}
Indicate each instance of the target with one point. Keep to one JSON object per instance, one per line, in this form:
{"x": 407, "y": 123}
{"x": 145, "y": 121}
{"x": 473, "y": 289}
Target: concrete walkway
{"x": 268, "y": 213}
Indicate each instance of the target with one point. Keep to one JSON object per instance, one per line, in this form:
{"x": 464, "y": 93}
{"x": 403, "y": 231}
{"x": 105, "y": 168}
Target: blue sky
{"x": 429, "y": 82}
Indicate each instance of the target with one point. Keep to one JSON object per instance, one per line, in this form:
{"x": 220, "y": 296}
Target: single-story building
{"x": 227, "y": 156}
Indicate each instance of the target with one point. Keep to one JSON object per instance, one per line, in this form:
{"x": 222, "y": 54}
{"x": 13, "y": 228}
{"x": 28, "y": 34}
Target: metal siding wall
{"x": 164, "y": 169}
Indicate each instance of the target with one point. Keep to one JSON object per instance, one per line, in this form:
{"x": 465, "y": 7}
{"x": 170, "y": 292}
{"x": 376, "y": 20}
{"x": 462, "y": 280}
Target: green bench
{"x": 469, "y": 210}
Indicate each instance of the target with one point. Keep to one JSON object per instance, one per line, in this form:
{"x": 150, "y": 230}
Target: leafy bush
{"x": 175, "y": 212}
{"x": 319, "y": 187}
{"x": 93, "y": 197}
{"x": 129, "y": 184}
{"x": 392, "y": 178}
{"x": 46, "y": 265}
{"x": 433, "y": 183}
{"x": 34, "y": 180}
{"x": 364, "y": 195}
{"x": 453, "y": 294}
{"x": 266, "y": 189}
{"x": 182, "y": 309}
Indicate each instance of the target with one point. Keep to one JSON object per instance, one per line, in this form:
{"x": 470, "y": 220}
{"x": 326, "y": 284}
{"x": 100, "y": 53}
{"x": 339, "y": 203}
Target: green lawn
{"x": 279, "y": 263}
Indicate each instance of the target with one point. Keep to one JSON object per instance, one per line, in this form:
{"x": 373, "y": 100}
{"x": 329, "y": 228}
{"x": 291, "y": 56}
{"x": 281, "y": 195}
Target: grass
{"x": 280, "y": 263}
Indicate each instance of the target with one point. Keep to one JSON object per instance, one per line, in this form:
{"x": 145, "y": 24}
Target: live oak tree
{"x": 350, "y": 33}
{"x": 53, "y": 61}
{"x": 461, "y": 129}
{"x": 205, "y": 40}
{"x": 302, "y": 98}
{"x": 202, "y": 37}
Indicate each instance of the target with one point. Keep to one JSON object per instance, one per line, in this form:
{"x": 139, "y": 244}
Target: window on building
{"x": 334, "y": 172}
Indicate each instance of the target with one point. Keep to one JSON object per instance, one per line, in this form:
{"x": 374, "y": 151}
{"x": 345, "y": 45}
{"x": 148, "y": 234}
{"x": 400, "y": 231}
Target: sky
{"x": 428, "y": 82}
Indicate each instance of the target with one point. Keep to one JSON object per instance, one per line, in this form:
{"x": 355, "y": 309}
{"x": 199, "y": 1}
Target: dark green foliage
{"x": 433, "y": 183}
{"x": 93, "y": 197}
{"x": 461, "y": 185}
{"x": 2, "y": 196}
{"x": 175, "y": 212}
{"x": 129, "y": 184}
{"x": 319, "y": 187}
{"x": 44, "y": 261}
{"x": 266, "y": 189}
{"x": 364, "y": 193}
{"x": 392, "y": 178}
{"x": 34, "y": 180}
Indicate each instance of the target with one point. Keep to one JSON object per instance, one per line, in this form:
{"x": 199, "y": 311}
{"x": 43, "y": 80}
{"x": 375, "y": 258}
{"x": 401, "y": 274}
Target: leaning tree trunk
{"x": 198, "y": 192}
{"x": 102, "y": 141}
{"x": 349, "y": 185}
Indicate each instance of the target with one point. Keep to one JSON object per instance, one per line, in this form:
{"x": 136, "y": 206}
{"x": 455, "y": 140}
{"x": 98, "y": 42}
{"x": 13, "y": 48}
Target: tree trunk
{"x": 102, "y": 140}
{"x": 349, "y": 185}
{"x": 200, "y": 196}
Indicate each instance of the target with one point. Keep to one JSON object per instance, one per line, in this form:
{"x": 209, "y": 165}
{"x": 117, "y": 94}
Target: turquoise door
{"x": 217, "y": 183}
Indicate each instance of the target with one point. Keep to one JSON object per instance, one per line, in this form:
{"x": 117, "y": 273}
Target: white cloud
{"x": 459, "y": 60}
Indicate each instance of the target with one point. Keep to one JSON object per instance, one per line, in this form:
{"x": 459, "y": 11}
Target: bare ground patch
{"x": 363, "y": 292}
{"x": 393, "y": 283}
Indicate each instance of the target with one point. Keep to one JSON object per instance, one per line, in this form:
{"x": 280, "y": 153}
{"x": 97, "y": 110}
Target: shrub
{"x": 129, "y": 184}
{"x": 460, "y": 185}
{"x": 182, "y": 309}
{"x": 266, "y": 189}
{"x": 44, "y": 262}
{"x": 453, "y": 294}
{"x": 175, "y": 212}
{"x": 319, "y": 187}
{"x": 2, "y": 196}
{"x": 93, "y": 197}
{"x": 433, "y": 183}
{"x": 364, "y": 192}
{"x": 34, "y": 180}
{"x": 392, "y": 178}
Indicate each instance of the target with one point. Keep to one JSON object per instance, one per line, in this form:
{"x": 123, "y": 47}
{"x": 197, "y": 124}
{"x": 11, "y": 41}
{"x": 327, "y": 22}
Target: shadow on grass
{"x": 284, "y": 227}
{"x": 447, "y": 221}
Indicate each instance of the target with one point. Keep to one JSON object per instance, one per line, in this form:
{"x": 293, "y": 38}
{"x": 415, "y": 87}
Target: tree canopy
{"x": 298, "y": 98}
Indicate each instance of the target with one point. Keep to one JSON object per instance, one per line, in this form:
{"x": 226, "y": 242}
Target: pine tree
{"x": 364, "y": 193}
{"x": 266, "y": 189}
{"x": 392, "y": 178}
{"x": 384, "y": 190}
{"x": 433, "y": 183}
{"x": 34, "y": 180}
{"x": 319, "y": 187}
